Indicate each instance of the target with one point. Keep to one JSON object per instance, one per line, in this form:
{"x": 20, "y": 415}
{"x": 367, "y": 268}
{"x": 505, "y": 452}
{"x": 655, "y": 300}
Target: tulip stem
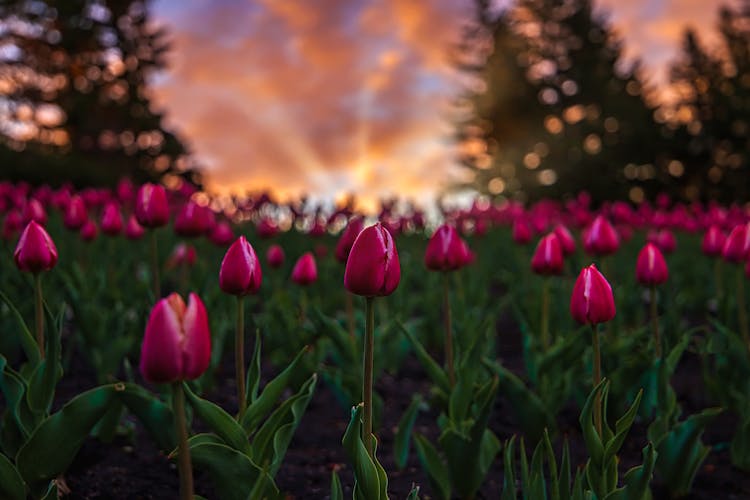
{"x": 545, "y": 314}
{"x": 741, "y": 312}
{"x": 155, "y": 266}
{"x": 655, "y": 323}
{"x": 239, "y": 357}
{"x": 448, "y": 330}
{"x": 718, "y": 281}
{"x": 39, "y": 313}
{"x": 183, "y": 451}
{"x": 367, "y": 375}
{"x": 597, "y": 380}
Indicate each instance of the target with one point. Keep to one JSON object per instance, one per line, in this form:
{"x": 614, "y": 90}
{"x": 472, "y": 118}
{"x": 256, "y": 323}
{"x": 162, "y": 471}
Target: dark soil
{"x": 133, "y": 468}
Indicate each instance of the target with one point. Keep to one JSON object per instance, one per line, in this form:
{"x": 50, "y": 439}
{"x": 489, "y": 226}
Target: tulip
{"x": 151, "y": 207}
{"x": 548, "y": 256}
{"x": 221, "y": 235}
{"x": 176, "y": 347}
{"x": 735, "y": 251}
{"x": 36, "y": 252}
{"x": 567, "y": 242}
{"x": 111, "y": 222}
{"x": 275, "y": 256}
{"x": 713, "y": 241}
{"x": 666, "y": 241}
{"x": 601, "y": 238}
{"x": 12, "y": 223}
{"x": 34, "y": 211}
{"x": 305, "y": 271}
{"x": 240, "y": 274}
{"x": 75, "y": 215}
{"x": 183, "y": 255}
{"x": 592, "y": 303}
{"x": 192, "y": 220}
{"x": 89, "y": 231}
{"x": 344, "y": 245}
{"x": 651, "y": 270}
{"x": 372, "y": 269}
{"x": 266, "y": 228}
{"x": 521, "y": 232}
{"x": 133, "y": 231}
{"x": 444, "y": 250}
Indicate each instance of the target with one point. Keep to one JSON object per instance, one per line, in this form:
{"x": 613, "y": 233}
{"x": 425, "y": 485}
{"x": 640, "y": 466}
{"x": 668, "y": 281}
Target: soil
{"x": 133, "y": 468}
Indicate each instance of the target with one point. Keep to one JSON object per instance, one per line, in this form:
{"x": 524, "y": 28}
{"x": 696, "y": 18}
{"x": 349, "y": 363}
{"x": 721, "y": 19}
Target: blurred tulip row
{"x": 607, "y": 304}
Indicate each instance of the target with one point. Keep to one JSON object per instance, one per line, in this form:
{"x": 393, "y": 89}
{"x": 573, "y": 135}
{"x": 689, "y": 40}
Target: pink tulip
{"x": 373, "y": 268}
{"x": 177, "y": 342}
{"x": 221, "y": 235}
{"x": 151, "y": 207}
{"x": 182, "y": 255}
{"x": 651, "y": 268}
{"x": 521, "y": 232}
{"x": 35, "y": 251}
{"x": 305, "y": 271}
{"x": 240, "y": 272}
{"x": 548, "y": 256}
{"x": 88, "y": 232}
{"x": 713, "y": 241}
{"x": 592, "y": 301}
{"x": 736, "y": 245}
{"x": 75, "y": 215}
{"x": 133, "y": 231}
{"x": 34, "y": 211}
{"x": 444, "y": 250}
{"x": 192, "y": 220}
{"x": 275, "y": 256}
{"x": 111, "y": 222}
{"x": 601, "y": 238}
{"x": 567, "y": 242}
{"x": 344, "y": 245}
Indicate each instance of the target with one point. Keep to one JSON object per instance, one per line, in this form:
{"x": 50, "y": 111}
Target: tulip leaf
{"x": 637, "y": 479}
{"x": 12, "y": 486}
{"x": 433, "y": 369}
{"x": 44, "y": 378}
{"x": 154, "y": 414}
{"x": 17, "y": 421}
{"x": 622, "y": 426}
{"x": 369, "y": 480}
{"x": 739, "y": 449}
{"x": 253, "y": 372}
{"x": 272, "y": 440}
{"x": 29, "y": 345}
{"x": 233, "y": 474}
{"x": 337, "y": 491}
{"x": 414, "y": 493}
{"x": 38, "y": 460}
{"x": 260, "y": 408}
{"x": 218, "y": 421}
{"x": 434, "y": 465}
{"x": 509, "y": 479}
{"x": 593, "y": 442}
{"x": 403, "y": 432}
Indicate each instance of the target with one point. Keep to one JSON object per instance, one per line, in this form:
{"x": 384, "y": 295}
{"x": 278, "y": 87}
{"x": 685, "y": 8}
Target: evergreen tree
{"x": 76, "y": 94}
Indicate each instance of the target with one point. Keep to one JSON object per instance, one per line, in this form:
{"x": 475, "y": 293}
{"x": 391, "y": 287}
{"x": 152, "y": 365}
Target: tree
{"x": 76, "y": 98}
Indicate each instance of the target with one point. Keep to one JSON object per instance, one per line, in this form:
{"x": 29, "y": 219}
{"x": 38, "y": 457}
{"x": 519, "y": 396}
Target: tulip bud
{"x": 521, "y": 232}
{"x": 133, "y": 231}
{"x": 713, "y": 241}
{"x": 567, "y": 242}
{"x": 444, "y": 250}
{"x": 34, "y": 211}
{"x": 177, "y": 342}
{"x": 344, "y": 245}
{"x": 151, "y": 207}
{"x": 192, "y": 220}
{"x": 275, "y": 256}
{"x": 88, "y": 232}
{"x": 266, "y": 228}
{"x": 240, "y": 272}
{"x": 182, "y": 255}
{"x": 222, "y": 234}
{"x": 305, "y": 271}
{"x": 651, "y": 268}
{"x": 736, "y": 245}
{"x": 12, "y": 223}
{"x": 372, "y": 268}
{"x": 666, "y": 241}
{"x": 548, "y": 256}
{"x": 35, "y": 251}
{"x": 111, "y": 222}
{"x": 592, "y": 301}
{"x": 601, "y": 238}
{"x": 75, "y": 215}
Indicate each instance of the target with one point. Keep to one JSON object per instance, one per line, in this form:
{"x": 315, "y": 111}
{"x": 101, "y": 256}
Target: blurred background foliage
{"x": 75, "y": 103}
{"x": 552, "y": 108}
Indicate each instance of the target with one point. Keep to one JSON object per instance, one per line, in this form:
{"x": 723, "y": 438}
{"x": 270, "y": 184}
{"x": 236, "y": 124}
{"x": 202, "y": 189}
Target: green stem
{"x": 597, "y": 380}
{"x": 155, "y": 266}
{"x": 655, "y": 323}
{"x": 741, "y": 312}
{"x": 545, "y": 314}
{"x": 367, "y": 375}
{"x": 718, "y": 282}
{"x": 448, "y": 341}
{"x": 183, "y": 451}
{"x": 39, "y": 313}
{"x": 239, "y": 357}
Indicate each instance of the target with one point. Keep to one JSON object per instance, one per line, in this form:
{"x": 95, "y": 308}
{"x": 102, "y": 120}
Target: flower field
{"x": 159, "y": 343}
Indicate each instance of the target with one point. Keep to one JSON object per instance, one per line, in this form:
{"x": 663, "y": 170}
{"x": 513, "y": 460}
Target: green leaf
{"x": 44, "y": 379}
{"x": 637, "y": 479}
{"x": 593, "y": 442}
{"x": 260, "y": 408}
{"x": 154, "y": 414}
{"x": 218, "y": 421}
{"x": 253, "y": 372}
{"x": 740, "y": 447}
{"x": 404, "y": 430}
{"x": 38, "y": 460}
{"x": 233, "y": 474}
{"x": 367, "y": 478}
{"x": 622, "y": 426}
{"x": 434, "y": 466}
{"x": 414, "y": 493}
{"x": 337, "y": 491}
{"x": 29, "y": 345}
{"x": 12, "y": 486}
{"x": 17, "y": 420}
{"x": 433, "y": 369}
{"x": 509, "y": 480}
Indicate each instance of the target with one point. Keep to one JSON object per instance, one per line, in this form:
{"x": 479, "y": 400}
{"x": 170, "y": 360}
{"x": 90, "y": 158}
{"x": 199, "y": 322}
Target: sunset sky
{"x": 337, "y": 96}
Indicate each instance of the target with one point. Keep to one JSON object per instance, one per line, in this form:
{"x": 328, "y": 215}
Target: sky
{"x": 329, "y": 97}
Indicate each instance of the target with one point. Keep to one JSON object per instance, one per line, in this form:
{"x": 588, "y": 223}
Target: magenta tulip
{"x": 111, "y": 222}
{"x": 736, "y": 245}
{"x": 192, "y": 220}
{"x": 601, "y": 238}
{"x": 89, "y": 231}
{"x": 651, "y": 268}
{"x": 592, "y": 301}
{"x": 444, "y": 250}
{"x": 548, "y": 256}
{"x": 344, "y": 245}
{"x": 373, "y": 268}
{"x": 567, "y": 242}
{"x": 134, "y": 231}
{"x": 35, "y": 251}
{"x": 177, "y": 342}
{"x": 75, "y": 215}
{"x": 151, "y": 207}
{"x": 713, "y": 241}
{"x": 521, "y": 232}
{"x": 221, "y": 235}
{"x": 275, "y": 256}
{"x": 305, "y": 271}
{"x": 240, "y": 272}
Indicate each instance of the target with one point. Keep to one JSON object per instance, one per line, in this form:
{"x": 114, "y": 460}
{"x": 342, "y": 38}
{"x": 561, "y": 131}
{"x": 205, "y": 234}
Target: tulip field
{"x": 157, "y": 343}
